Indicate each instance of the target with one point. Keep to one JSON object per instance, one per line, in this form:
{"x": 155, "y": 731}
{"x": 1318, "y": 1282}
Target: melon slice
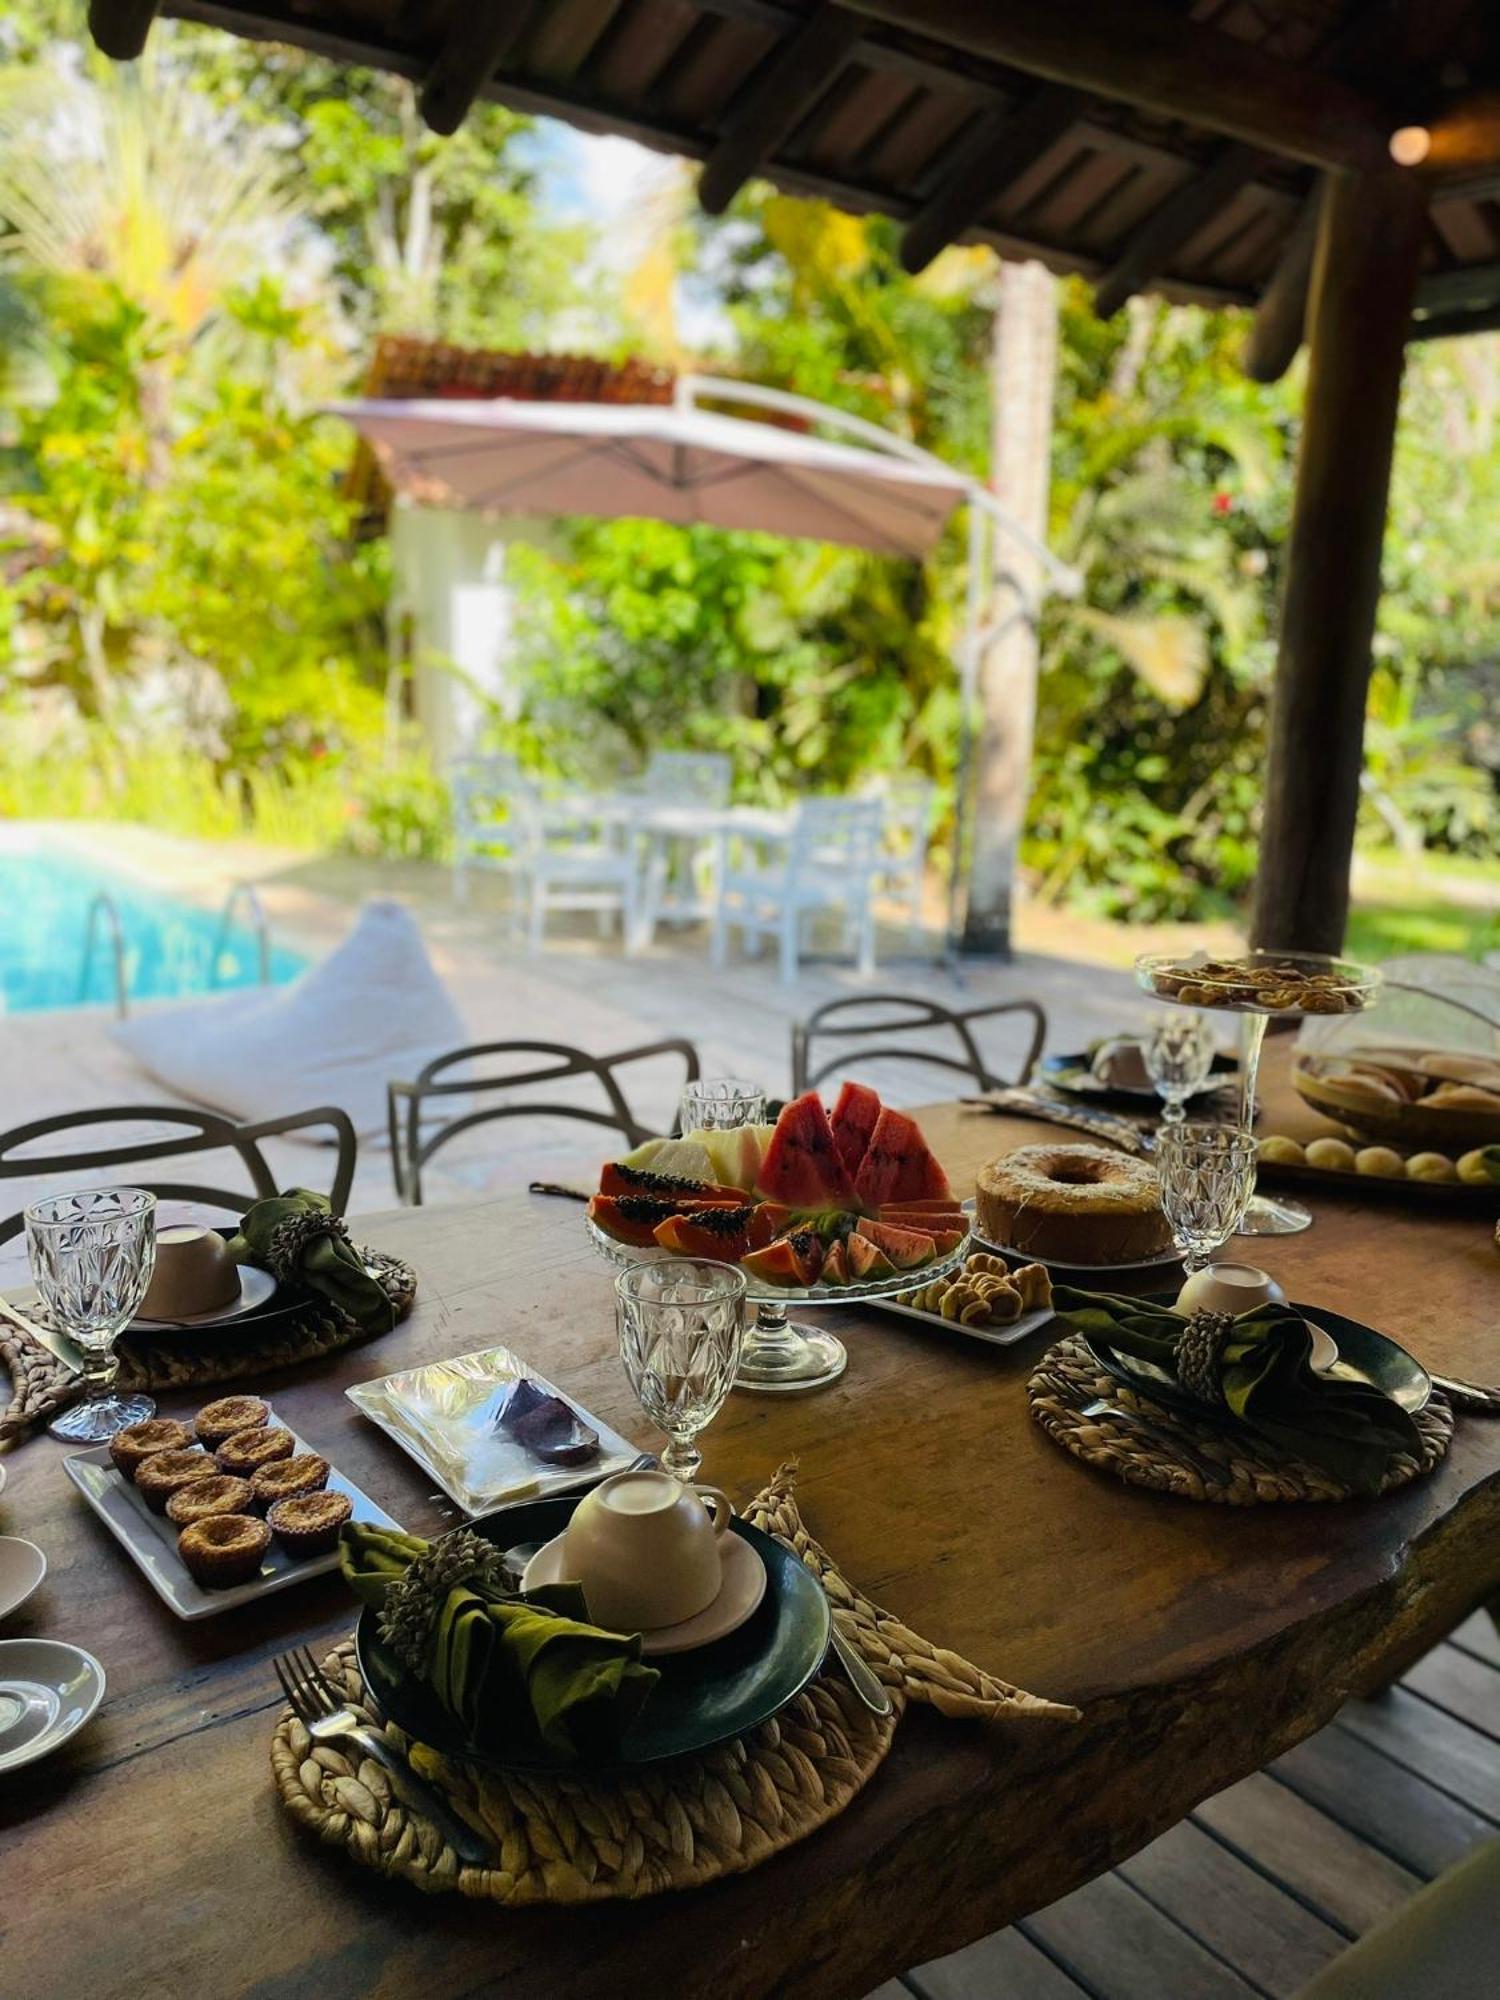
{"x": 736, "y": 1154}
{"x": 684, "y": 1159}
{"x": 854, "y": 1119}
{"x": 897, "y": 1166}
{"x": 906, "y": 1248}
{"x": 802, "y": 1166}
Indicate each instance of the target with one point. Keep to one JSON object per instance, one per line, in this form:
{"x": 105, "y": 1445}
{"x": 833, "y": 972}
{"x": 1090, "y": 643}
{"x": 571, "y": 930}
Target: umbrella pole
{"x": 981, "y": 533}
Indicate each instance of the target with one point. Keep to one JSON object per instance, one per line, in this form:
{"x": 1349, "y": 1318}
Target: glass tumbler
{"x": 721, "y": 1104}
{"x": 680, "y": 1322}
{"x": 1178, "y": 1053}
{"x": 1207, "y": 1173}
{"x": 92, "y": 1255}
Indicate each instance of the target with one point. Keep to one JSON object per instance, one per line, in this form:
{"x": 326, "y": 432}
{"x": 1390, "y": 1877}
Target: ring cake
{"x": 1072, "y": 1204}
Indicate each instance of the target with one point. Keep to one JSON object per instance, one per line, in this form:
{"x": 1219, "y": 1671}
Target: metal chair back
{"x": 839, "y": 836}
{"x": 689, "y": 777}
{"x": 864, "y": 1017}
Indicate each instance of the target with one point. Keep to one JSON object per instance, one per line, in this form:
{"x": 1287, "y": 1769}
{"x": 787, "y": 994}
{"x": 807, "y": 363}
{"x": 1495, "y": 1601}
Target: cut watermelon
{"x": 802, "y": 1166}
{"x": 939, "y": 1205}
{"x": 854, "y": 1119}
{"x": 906, "y": 1248}
{"x": 720, "y": 1232}
{"x": 629, "y": 1218}
{"x": 866, "y": 1259}
{"x": 790, "y": 1260}
{"x": 924, "y": 1218}
{"x": 617, "y": 1178}
{"x": 835, "y": 1269}
{"x": 944, "y": 1240}
{"x": 897, "y": 1166}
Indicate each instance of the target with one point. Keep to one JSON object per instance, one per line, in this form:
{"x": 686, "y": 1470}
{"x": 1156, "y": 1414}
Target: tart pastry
{"x": 1076, "y": 1205}
{"x": 247, "y": 1451}
{"x": 218, "y": 1494}
{"x": 224, "y": 1549}
{"x": 309, "y": 1524}
{"x": 167, "y": 1472}
{"x": 131, "y": 1448}
{"x": 216, "y": 1422}
{"x": 306, "y": 1473}
{"x": 1462, "y": 1097}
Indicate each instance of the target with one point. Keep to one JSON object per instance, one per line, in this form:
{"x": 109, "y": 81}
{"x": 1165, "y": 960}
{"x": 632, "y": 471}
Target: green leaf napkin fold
{"x": 1351, "y": 1429}
{"x": 503, "y": 1664}
{"x": 297, "y": 1237}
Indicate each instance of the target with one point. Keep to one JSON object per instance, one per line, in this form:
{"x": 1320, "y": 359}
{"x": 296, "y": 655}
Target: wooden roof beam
{"x": 1146, "y": 54}
{"x": 999, "y": 151}
{"x": 479, "y": 40}
{"x": 1281, "y": 317}
{"x": 786, "y": 86}
{"x": 1185, "y": 211}
{"x": 120, "y": 27}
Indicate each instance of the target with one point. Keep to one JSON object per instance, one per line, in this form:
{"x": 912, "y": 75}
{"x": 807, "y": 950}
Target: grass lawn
{"x": 1428, "y": 923}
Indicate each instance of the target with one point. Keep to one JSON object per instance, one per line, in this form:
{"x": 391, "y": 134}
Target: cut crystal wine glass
{"x": 92, "y": 1255}
{"x": 1179, "y": 1053}
{"x": 722, "y": 1104}
{"x": 681, "y": 1321}
{"x": 1207, "y": 1174}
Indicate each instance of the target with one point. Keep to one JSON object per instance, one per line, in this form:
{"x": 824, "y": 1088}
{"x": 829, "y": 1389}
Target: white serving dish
{"x": 1157, "y": 1263}
{"x": 48, "y": 1691}
{"x": 22, "y": 1567}
{"x": 992, "y": 1336}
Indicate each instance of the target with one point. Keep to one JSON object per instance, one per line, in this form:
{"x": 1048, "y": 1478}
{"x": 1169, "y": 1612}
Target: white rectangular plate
{"x": 992, "y": 1336}
{"x": 150, "y": 1540}
{"x": 436, "y": 1414}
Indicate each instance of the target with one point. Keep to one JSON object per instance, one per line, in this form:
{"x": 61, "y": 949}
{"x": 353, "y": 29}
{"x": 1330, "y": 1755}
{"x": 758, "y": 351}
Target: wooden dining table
{"x": 152, "y": 1856}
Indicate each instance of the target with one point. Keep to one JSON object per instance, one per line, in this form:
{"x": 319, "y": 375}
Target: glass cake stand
{"x": 1248, "y": 985}
{"x": 780, "y": 1354}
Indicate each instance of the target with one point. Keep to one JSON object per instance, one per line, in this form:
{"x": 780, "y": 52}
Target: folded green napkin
{"x": 1265, "y": 1372}
{"x": 297, "y": 1237}
{"x": 505, "y": 1665}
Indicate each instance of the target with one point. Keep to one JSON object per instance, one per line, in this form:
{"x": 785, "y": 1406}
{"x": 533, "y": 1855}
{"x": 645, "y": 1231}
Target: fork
{"x": 328, "y": 1718}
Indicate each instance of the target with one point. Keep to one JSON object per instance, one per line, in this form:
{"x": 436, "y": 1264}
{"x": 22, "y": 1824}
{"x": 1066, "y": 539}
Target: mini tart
{"x": 309, "y": 1524}
{"x": 289, "y": 1480}
{"x": 131, "y": 1448}
{"x": 216, "y": 1422}
{"x": 224, "y": 1549}
{"x": 218, "y": 1494}
{"x": 167, "y": 1472}
{"x": 247, "y": 1451}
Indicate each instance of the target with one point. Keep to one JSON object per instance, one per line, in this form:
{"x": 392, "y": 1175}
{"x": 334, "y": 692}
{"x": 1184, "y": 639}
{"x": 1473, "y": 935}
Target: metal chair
{"x": 871, "y": 1014}
{"x": 901, "y": 868}
{"x": 824, "y": 861}
{"x": 683, "y": 794}
{"x": 411, "y": 1150}
{"x": 202, "y": 1132}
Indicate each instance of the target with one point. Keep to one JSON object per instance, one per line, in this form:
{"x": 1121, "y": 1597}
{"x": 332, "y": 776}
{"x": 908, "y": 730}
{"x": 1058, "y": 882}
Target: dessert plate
{"x": 704, "y": 1697}
{"x": 150, "y": 1539}
{"x": 992, "y": 1336}
{"x": 1072, "y": 1074}
{"x": 22, "y": 1567}
{"x": 257, "y": 1288}
{"x": 48, "y": 1691}
{"x": 740, "y": 1593}
{"x": 1157, "y": 1263}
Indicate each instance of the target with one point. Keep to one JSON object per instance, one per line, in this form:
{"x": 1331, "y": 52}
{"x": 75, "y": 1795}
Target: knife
{"x": 57, "y": 1344}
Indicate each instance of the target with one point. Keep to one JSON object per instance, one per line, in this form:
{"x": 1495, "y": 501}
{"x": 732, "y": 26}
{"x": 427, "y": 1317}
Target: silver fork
{"x": 329, "y": 1719}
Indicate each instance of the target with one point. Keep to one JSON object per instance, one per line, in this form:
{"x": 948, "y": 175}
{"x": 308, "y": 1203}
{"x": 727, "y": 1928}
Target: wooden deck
{"x": 1263, "y": 1884}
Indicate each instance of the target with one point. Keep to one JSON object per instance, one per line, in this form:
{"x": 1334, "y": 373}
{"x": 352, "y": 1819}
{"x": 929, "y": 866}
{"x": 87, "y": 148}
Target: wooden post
{"x": 1364, "y": 278}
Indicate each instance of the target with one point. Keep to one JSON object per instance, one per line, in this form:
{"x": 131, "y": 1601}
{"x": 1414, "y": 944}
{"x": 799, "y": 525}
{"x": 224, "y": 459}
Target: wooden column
{"x": 1364, "y": 278}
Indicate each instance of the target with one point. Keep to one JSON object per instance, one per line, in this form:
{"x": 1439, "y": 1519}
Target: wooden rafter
{"x": 1281, "y": 317}
{"x": 480, "y": 38}
{"x": 1176, "y": 221}
{"x": 120, "y": 27}
{"x": 785, "y": 87}
{"x": 994, "y": 156}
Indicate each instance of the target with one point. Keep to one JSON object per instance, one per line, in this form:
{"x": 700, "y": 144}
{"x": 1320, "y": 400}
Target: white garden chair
{"x": 685, "y": 793}
{"x": 823, "y": 863}
{"x": 901, "y": 869}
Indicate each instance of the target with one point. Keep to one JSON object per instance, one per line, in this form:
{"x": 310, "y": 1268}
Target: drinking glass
{"x": 92, "y": 1255}
{"x": 1206, "y": 1173}
{"x": 1179, "y": 1053}
{"x": 681, "y": 1321}
{"x": 721, "y": 1104}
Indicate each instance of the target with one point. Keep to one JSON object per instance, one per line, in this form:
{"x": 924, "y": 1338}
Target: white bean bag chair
{"x": 372, "y": 1011}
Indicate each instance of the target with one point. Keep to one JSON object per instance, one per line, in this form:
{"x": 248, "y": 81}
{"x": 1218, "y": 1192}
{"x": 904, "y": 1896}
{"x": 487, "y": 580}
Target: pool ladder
{"x": 102, "y": 910}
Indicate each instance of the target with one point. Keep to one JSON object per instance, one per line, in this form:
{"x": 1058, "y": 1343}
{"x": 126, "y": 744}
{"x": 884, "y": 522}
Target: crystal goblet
{"x": 681, "y": 1320}
{"x": 1207, "y": 1173}
{"x": 92, "y": 1255}
{"x": 721, "y": 1104}
{"x": 1178, "y": 1053}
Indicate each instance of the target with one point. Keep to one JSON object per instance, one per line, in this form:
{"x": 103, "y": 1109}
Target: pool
{"x": 172, "y": 947}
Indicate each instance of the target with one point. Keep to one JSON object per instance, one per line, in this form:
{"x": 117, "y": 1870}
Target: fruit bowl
{"x": 761, "y": 1294}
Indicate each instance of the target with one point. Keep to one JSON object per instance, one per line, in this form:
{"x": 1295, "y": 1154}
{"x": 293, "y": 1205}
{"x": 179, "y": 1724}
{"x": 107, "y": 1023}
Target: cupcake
{"x": 167, "y": 1472}
{"x": 290, "y": 1479}
{"x": 225, "y": 1419}
{"x": 218, "y": 1494}
{"x": 131, "y": 1448}
{"x": 247, "y": 1451}
{"x": 224, "y": 1549}
{"x": 309, "y": 1524}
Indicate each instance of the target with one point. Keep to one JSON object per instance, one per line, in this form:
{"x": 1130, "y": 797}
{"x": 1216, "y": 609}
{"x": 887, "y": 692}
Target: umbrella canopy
{"x": 660, "y": 462}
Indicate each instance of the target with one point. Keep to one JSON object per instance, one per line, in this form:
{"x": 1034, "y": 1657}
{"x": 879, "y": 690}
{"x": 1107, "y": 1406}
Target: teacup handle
{"x": 719, "y": 1505}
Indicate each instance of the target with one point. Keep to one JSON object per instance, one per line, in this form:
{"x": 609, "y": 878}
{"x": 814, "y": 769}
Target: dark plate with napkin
{"x": 1072, "y": 1073}
{"x": 701, "y": 1698}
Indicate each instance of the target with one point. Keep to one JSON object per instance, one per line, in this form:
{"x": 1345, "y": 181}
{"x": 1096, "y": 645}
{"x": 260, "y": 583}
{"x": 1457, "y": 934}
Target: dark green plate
{"x": 703, "y": 1697}
{"x": 1364, "y": 1356}
{"x": 1073, "y": 1075}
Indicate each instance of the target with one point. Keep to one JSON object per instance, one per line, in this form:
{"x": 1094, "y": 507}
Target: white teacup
{"x": 1229, "y": 1288}
{"x": 194, "y": 1273}
{"x": 646, "y": 1549}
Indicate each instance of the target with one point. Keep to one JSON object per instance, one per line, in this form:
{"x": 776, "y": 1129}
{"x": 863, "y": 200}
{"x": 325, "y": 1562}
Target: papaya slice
{"x": 718, "y": 1231}
{"x": 618, "y": 1177}
{"x": 790, "y": 1260}
{"x": 629, "y": 1218}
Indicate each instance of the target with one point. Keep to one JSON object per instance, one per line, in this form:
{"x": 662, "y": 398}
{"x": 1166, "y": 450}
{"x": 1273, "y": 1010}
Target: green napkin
{"x": 1351, "y": 1429}
{"x": 505, "y": 1664}
{"x": 297, "y": 1237}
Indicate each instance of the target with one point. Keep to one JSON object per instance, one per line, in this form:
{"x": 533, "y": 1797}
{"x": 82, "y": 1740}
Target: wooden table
{"x": 153, "y": 1855}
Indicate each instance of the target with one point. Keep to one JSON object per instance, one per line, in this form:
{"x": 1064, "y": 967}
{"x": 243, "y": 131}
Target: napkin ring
{"x": 290, "y": 1238}
{"x": 415, "y": 1599}
{"x": 1196, "y": 1358}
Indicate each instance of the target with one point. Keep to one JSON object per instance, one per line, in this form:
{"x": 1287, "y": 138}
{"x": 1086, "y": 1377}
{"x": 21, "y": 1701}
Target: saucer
{"x": 739, "y": 1595}
{"x": 22, "y": 1567}
{"x": 48, "y": 1691}
{"x": 256, "y": 1287}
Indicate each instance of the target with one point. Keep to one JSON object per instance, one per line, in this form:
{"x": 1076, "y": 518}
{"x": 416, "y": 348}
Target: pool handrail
{"x": 103, "y": 904}
{"x": 243, "y": 892}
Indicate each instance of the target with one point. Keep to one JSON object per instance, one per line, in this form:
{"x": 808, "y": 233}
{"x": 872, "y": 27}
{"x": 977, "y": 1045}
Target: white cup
{"x": 646, "y": 1549}
{"x": 1229, "y": 1288}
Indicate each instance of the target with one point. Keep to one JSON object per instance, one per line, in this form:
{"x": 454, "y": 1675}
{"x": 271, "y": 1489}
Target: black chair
{"x": 411, "y": 1149}
{"x": 200, "y": 1132}
{"x": 867, "y": 1015}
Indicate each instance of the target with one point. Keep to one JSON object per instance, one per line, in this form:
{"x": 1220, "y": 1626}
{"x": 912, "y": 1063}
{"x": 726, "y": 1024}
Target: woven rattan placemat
{"x": 1147, "y": 1445}
{"x": 41, "y": 1385}
{"x": 667, "y": 1826}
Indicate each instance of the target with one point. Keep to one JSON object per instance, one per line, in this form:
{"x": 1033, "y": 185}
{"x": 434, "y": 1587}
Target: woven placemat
{"x": 1147, "y": 1445}
{"x": 666, "y": 1826}
{"x": 41, "y": 1385}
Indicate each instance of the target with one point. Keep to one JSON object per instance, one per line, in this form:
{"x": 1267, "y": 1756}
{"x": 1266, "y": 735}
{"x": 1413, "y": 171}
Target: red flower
{"x": 1223, "y": 503}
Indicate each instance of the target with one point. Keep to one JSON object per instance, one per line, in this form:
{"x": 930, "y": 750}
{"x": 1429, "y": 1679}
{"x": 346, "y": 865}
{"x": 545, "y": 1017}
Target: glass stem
{"x": 682, "y": 1459}
{"x": 1252, "y": 1034}
{"x": 100, "y": 1366}
{"x": 771, "y": 1328}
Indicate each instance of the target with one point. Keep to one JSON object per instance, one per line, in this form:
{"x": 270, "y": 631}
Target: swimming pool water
{"x": 169, "y": 944}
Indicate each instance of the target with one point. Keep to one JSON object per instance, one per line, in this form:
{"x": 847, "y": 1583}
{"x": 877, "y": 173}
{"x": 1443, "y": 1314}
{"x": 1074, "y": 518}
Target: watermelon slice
{"x": 629, "y": 1218}
{"x": 719, "y": 1232}
{"x": 938, "y": 1206}
{"x": 790, "y": 1260}
{"x": 835, "y": 1269}
{"x": 897, "y": 1166}
{"x": 906, "y": 1248}
{"x": 916, "y": 1217}
{"x": 854, "y": 1119}
{"x": 802, "y": 1166}
{"x": 617, "y": 1178}
{"x": 865, "y": 1259}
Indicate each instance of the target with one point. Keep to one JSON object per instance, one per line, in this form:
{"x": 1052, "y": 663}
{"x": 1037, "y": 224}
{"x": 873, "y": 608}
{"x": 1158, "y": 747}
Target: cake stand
{"x": 783, "y": 1355}
{"x": 1239, "y": 986}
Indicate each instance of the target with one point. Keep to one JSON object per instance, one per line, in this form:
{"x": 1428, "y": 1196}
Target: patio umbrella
{"x": 662, "y": 462}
